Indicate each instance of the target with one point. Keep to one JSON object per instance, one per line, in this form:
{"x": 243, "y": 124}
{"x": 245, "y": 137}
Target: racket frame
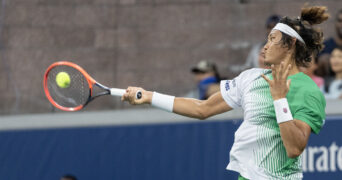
{"x": 90, "y": 80}
{"x": 91, "y": 84}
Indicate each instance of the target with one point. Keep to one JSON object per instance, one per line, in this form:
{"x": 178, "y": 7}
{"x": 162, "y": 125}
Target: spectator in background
{"x": 324, "y": 68}
{"x": 207, "y": 78}
{"x": 68, "y": 177}
{"x": 335, "y": 88}
{"x": 254, "y": 54}
{"x": 310, "y": 71}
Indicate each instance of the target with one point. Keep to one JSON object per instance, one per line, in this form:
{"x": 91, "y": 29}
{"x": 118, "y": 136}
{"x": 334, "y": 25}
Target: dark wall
{"x": 148, "y": 43}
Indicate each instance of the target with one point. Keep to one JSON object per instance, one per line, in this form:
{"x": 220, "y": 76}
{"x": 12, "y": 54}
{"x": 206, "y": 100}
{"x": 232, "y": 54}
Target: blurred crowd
{"x": 325, "y": 69}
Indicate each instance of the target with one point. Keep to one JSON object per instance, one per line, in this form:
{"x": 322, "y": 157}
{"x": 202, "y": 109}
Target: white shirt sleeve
{"x": 231, "y": 92}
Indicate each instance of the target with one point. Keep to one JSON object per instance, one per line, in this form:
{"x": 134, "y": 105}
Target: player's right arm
{"x": 200, "y": 109}
{"x": 229, "y": 97}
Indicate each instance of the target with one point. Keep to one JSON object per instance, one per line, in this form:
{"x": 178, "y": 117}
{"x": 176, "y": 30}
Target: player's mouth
{"x": 263, "y": 54}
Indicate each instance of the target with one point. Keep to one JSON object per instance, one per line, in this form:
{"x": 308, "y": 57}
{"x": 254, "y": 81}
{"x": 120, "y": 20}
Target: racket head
{"x": 74, "y": 97}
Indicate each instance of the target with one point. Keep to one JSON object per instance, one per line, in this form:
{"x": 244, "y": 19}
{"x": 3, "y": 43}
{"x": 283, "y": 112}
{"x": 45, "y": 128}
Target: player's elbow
{"x": 202, "y": 115}
{"x": 202, "y": 112}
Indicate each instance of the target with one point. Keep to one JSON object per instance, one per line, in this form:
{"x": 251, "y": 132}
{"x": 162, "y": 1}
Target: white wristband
{"x": 282, "y": 110}
{"x": 162, "y": 101}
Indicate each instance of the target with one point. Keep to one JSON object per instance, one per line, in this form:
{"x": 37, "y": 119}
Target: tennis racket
{"x": 79, "y": 92}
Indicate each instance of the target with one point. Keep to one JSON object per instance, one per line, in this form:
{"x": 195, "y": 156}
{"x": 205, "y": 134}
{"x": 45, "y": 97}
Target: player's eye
{"x": 272, "y": 39}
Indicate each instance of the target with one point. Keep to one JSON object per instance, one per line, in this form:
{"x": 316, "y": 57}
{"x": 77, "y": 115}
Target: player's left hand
{"x": 279, "y": 86}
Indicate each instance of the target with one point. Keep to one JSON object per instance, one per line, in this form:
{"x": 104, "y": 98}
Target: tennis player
{"x": 282, "y": 106}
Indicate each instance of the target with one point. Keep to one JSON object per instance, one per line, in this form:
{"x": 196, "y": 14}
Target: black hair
{"x": 312, "y": 37}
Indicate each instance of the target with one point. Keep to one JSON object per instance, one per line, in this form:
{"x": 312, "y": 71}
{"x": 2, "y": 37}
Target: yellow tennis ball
{"x": 63, "y": 80}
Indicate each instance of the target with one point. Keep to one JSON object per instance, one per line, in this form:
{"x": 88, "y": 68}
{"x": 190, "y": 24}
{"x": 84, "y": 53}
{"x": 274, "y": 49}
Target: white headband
{"x": 288, "y": 30}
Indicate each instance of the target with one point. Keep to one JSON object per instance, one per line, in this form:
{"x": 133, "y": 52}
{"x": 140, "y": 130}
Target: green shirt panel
{"x": 306, "y": 101}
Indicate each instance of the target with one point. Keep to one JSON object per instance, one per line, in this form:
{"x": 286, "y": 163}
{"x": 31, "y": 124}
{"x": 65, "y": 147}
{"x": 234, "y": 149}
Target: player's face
{"x": 336, "y": 61}
{"x": 274, "y": 51}
{"x": 261, "y": 60}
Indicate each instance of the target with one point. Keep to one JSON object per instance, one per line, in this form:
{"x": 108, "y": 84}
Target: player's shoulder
{"x": 303, "y": 84}
{"x": 254, "y": 73}
{"x": 246, "y": 77}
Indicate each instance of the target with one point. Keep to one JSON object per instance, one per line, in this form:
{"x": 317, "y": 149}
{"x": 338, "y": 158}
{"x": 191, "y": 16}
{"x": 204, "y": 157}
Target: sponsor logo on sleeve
{"x": 227, "y": 86}
{"x": 234, "y": 83}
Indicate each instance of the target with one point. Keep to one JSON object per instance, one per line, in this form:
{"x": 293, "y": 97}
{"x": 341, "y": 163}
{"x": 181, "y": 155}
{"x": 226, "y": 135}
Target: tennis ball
{"x": 63, "y": 80}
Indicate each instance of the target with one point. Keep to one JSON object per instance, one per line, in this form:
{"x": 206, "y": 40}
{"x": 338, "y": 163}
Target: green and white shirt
{"x": 258, "y": 151}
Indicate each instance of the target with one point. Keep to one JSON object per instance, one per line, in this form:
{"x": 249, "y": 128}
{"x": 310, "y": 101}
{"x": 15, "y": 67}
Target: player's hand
{"x": 131, "y": 96}
{"x": 279, "y": 86}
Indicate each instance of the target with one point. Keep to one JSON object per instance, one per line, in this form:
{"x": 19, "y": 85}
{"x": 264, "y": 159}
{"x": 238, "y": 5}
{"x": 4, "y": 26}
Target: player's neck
{"x": 294, "y": 69}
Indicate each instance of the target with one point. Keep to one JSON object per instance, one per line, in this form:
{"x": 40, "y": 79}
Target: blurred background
{"x": 178, "y": 47}
{"x": 148, "y": 43}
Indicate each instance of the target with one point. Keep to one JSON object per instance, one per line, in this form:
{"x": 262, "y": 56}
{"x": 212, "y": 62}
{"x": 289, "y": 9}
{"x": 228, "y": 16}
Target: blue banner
{"x": 322, "y": 159}
{"x": 184, "y": 151}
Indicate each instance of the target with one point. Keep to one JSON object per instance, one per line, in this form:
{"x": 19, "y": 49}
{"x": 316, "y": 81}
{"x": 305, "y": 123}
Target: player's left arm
{"x": 294, "y": 133}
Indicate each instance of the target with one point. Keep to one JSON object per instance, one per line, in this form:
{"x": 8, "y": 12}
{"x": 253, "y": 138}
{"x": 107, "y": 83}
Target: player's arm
{"x": 294, "y": 133}
{"x": 200, "y": 109}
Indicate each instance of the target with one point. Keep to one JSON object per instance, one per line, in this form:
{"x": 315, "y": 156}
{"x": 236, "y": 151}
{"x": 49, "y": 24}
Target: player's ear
{"x": 292, "y": 45}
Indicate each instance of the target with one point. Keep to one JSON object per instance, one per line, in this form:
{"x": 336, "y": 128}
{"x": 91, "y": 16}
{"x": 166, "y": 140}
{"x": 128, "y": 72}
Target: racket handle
{"x": 117, "y": 92}
{"x": 121, "y": 92}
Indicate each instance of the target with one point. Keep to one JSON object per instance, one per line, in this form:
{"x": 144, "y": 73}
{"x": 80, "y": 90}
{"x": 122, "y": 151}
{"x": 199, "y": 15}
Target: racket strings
{"x": 76, "y": 94}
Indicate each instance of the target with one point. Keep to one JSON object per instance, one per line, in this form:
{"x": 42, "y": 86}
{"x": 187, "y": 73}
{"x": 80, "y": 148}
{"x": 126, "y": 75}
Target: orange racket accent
{"x": 90, "y": 81}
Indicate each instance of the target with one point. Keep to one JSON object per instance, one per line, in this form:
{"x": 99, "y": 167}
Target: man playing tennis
{"x": 282, "y": 106}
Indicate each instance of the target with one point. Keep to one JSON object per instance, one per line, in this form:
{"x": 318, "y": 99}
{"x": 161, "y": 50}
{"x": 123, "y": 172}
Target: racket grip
{"x": 117, "y": 92}
{"x": 121, "y": 92}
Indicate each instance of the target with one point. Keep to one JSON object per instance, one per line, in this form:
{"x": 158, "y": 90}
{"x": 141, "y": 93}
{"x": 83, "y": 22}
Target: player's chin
{"x": 271, "y": 60}
{"x": 268, "y": 62}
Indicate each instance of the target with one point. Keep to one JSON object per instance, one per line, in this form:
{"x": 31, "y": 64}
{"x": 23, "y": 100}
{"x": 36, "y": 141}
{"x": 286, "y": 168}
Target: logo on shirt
{"x": 234, "y": 83}
{"x": 227, "y": 86}
{"x": 285, "y": 110}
